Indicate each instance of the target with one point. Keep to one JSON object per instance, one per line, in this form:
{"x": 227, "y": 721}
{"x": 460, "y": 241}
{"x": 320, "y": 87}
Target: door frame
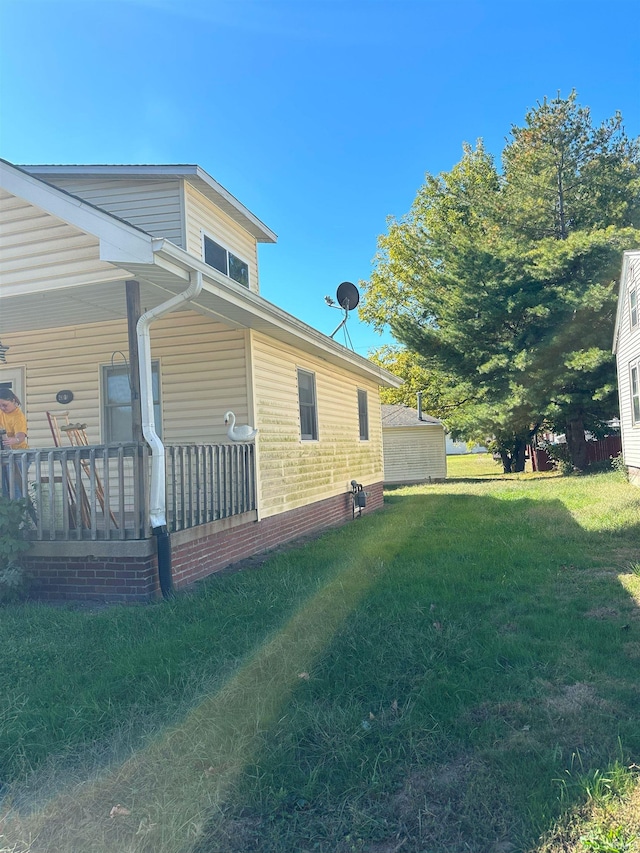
{"x": 13, "y": 377}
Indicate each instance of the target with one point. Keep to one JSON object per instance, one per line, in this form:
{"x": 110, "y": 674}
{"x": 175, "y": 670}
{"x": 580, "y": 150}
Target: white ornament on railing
{"x": 238, "y": 433}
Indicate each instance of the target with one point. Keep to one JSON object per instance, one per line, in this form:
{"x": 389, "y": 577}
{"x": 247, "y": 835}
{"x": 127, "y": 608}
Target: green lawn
{"x": 459, "y": 672}
{"x": 472, "y": 465}
{"x": 480, "y": 465}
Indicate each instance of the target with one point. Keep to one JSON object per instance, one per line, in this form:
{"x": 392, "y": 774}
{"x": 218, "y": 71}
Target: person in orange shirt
{"x": 14, "y": 423}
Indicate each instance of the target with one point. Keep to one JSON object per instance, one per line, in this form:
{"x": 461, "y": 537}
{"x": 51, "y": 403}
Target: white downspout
{"x": 157, "y": 497}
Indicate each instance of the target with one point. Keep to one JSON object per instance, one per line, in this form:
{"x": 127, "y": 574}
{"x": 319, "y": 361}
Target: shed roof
{"x": 401, "y": 415}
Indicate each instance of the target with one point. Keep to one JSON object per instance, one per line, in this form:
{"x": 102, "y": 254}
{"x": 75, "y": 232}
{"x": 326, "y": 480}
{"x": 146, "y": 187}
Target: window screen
{"x": 117, "y": 416}
{"x": 363, "y": 415}
{"x": 226, "y": 262}
{"x": 635, "y": 393}
{"x": 215, "y": 255}
{"x": 307, "y": 400}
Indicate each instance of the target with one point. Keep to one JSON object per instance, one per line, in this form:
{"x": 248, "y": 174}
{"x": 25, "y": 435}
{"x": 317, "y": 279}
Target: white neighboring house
{"x": 626, "y": 346}
{"x": 459, "y": 448}
{"x": 414, "y": 446}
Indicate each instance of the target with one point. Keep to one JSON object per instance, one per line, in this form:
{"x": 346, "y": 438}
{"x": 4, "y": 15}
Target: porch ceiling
{"x": 88, "y": 303}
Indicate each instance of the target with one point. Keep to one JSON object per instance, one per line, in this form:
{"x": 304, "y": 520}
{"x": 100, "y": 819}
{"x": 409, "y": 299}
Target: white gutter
{"x": 158, "y": 498}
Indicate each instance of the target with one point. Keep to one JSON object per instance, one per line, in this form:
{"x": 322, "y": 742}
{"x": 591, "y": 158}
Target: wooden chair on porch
{"x": 77, "y": 437}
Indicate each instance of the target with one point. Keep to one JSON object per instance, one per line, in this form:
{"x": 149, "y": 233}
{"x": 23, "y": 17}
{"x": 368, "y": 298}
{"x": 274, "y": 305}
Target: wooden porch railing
{"x": 207, "y": 482}
{"x": 100, "y": 492}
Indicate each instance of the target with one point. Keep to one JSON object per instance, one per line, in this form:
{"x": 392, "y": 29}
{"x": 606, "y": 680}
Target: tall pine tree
{"x": 505, "y": 281}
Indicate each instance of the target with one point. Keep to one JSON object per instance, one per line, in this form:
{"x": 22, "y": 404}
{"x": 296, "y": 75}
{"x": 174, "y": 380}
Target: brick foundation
{"x": 92, "y": 577}
{"x": 195, "y": 553}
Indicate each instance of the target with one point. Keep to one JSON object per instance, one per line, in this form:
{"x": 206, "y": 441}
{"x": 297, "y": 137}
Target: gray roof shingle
{"x": 400, "y": 415}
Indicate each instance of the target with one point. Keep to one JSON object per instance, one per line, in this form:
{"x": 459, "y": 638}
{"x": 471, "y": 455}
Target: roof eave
{"x": 199, "y": 178}
{"x": 626, "y": 258}
{"x": 127, "y": 247}
{"x": 117, "y": 238}
{"x": 261, "y": 308}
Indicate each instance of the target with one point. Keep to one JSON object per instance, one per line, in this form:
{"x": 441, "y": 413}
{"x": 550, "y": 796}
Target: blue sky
{"x": 321, "y": 116}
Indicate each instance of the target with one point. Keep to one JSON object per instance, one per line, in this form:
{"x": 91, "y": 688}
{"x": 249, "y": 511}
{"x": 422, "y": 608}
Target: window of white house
{"x": 635, "y": 393}
{"x": 225, "y": 261}
{"x": 308, "y": 407}
{"x": 117, "y": 416}
{"x": 363, "y": 415}
{"x": 633, "y": 307}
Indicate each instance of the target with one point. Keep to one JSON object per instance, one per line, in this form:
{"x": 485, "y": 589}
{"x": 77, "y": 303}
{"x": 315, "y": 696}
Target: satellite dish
{"x": 347, "y": 295}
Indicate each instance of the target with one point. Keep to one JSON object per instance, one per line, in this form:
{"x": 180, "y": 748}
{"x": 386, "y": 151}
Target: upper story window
{"x": 363, "y": 415}
{"x": 117, "y": 414}
{"x": 633, "y": 307}
{"x": 225, "y": 261}
{"x": 308, "y": 406}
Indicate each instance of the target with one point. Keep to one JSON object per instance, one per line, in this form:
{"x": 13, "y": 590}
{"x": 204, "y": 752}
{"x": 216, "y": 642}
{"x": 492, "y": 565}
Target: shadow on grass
{"x": 487, "y": 677}
{"x": 483, "y": 478}
{"x": 442, "y": 676}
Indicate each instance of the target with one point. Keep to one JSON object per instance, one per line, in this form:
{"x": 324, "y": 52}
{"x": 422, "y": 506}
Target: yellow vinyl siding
{"x": 202, "y": 371}
{"x": 294, "y": 472}
{"x": 202, "y": 215}
{"x": 414, "y": 454}
{"x": 39, "y": 251}
{"x": 153, "y": 205}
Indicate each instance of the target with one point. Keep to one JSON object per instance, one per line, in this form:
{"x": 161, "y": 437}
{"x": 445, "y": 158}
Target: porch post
{"x": 133, "y": 315}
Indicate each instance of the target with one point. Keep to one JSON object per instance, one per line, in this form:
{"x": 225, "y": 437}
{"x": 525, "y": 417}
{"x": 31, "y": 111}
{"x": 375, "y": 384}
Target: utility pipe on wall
{"x": 157, "y": 498}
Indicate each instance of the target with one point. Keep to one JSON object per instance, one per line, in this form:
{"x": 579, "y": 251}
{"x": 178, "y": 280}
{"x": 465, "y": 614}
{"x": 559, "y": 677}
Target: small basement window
{"x": 363, "y": 415}
{"x": 226, "y": 262}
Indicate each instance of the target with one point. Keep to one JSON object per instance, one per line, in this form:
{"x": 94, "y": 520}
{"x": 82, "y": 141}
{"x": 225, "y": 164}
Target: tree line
{"x": 501, "y": 283}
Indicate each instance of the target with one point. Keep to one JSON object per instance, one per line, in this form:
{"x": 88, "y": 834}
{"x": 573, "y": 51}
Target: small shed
{"x": 413, "y": 444}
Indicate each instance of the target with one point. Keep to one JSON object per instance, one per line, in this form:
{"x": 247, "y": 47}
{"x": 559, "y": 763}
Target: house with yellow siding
{"x": 130, "y": 306}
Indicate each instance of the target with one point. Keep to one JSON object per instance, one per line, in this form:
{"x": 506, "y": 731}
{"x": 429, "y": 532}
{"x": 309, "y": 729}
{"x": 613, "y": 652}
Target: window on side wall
{"x": 633, "y": 307}
{"x": 635, "y": 393}
{"x": 308, "y": 406}
{"x": 117, "y": 413}
{"x": 363, "y": 415}
{"x": 226, "y": 262}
